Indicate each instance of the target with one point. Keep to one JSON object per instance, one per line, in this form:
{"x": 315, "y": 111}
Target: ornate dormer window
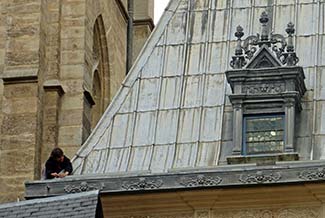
{"x": 267, "y": 88}
{"x": 263, "y": 134}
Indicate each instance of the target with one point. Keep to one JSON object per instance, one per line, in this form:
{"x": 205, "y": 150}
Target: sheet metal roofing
{"x": 172, "y": 111}
{"x": 73, "y": 205}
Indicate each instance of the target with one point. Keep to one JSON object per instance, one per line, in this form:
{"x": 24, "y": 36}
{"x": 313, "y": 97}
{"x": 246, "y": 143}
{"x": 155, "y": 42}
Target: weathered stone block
{"x": 70, "y": 135}
{"x": 73, "y": 86}
{"x": 32, "y": 6}
{"x": 17, "y": 162}
{"x": 24, "y": 141}
{"x": 73, "y": 71}
{"x": 12, "y": 187}
{"x": 24, "y": 163}
{"x": 72, "y": 21}
{"x": 72, "y": 57}
{"x": 22, "y": 58}
{"x": 20, "y": 90}
{"x": 71, "y": 117}
{"x": 73, "y": 32}
{"x": 73, "y": 43}
{"x": 74, "y": 9}
{"x": 18, "y": 105}
{"x": 12, "y": 124}
{"x": 7, "y": 161}
{"x": 70, "y": 102}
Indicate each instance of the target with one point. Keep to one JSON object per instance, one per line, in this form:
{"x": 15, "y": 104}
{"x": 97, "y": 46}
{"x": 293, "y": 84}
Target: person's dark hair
{"x": 56, "y": 153}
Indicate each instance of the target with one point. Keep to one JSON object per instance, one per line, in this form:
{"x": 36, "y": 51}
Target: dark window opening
{"x": 263, "y": 134}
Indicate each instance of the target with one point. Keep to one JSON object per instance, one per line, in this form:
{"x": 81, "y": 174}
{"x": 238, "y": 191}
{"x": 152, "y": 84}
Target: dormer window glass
{"x": 263, "y": 134}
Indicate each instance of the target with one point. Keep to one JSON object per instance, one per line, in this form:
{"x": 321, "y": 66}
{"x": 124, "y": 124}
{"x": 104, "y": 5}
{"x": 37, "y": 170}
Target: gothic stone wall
{"x": 44, "y": 70}
{"x": 19, "y": 64}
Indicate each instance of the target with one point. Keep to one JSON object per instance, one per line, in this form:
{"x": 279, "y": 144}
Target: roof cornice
{"x": 217, "y": 177}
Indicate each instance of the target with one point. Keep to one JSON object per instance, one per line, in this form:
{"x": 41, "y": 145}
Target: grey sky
{"x": 160, "y": 6}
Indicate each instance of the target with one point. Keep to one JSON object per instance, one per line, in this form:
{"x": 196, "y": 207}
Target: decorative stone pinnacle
{"x": 239, "y": 34}
{"x": 264, "y": 17}
{"x": 238, "y": 61}
{"x": 290, "y": 56}
{"x": 290, "y": 28}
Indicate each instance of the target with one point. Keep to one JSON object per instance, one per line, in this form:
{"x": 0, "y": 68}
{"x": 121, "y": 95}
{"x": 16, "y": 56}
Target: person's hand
{"x": 55, "y": 175}
{"x": 62, "y": 175}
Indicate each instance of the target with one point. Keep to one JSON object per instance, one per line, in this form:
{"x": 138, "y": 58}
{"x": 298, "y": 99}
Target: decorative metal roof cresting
{"x": 277, "y": 43}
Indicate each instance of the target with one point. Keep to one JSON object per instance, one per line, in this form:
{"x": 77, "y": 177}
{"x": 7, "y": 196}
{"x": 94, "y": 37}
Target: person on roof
{"x": 58, "y": 165}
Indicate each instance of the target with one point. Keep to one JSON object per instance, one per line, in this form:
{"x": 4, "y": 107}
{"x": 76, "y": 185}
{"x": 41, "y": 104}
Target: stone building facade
{"x": 188, "y": 136}
{"x": 61, "y": 63}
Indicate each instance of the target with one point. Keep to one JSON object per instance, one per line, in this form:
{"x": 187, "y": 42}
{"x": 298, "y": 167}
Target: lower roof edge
{"x": 218, "y": 177}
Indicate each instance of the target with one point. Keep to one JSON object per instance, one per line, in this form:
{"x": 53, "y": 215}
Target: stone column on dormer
{"x": 289, "y": 108}
{"x": 237, "y": 127}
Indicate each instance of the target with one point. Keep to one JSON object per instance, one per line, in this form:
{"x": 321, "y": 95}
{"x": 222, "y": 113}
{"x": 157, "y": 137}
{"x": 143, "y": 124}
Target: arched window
{"x": 101, "y": 72}
{"x": 97, "y": 108}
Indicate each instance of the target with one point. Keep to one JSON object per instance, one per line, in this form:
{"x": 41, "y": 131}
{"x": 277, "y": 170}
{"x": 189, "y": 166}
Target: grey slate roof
{"x": 173, "y": 112}
{"x": 72, "y": 205}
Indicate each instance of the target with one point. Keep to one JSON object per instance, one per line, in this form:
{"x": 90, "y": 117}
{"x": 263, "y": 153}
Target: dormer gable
{"x": 263, "y": 59}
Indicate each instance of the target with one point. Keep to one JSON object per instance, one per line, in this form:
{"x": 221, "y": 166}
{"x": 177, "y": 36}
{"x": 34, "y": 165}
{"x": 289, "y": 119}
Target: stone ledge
{"x": 214, "y": 177}
{"x": 266, "y": 159}
{"x": 53, "y": 85}
{"x": 20, "y": 75}
{"x": 145, "y": 22}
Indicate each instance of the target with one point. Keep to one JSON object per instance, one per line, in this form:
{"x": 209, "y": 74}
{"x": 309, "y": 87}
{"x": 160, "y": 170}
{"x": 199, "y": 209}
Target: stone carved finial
{"x": 238, "y": 61}
{"x": 239, "y": 33}
{"x": 276, "y": 43}
{"x": 290, "y": 30}
{"x": 290, "y": 57}
{"x": 264, "y": 19}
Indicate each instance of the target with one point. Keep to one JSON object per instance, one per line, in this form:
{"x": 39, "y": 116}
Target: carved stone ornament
{"x": 83, "y": 187}
{"x": 276, "y": 43}
{"x": 281, "y": 212}
{"x": 260, "y": 177}
{"x": 200, "y": 180}
{"x": 264, "y": 88}
{"x": 142, "y": 184}
{"x": 316, "y": 174}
